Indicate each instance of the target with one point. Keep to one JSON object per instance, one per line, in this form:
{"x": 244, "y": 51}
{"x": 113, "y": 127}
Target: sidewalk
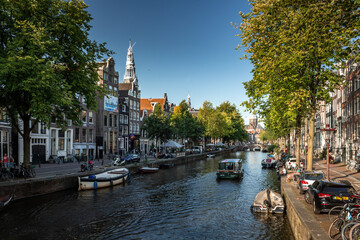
{"x": 337, "y": 171}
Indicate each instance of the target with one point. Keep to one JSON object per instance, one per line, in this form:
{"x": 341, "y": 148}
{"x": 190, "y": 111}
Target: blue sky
{"x": 182, "y": 46}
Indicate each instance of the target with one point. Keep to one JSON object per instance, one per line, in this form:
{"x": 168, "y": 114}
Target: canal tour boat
{"x": 230, "y": 169}
{"x": 268, "y": 201}
{"x": 105, "y": 179}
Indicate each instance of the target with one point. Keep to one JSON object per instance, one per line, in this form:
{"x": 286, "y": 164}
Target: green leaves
{"x": 46, "y": 60}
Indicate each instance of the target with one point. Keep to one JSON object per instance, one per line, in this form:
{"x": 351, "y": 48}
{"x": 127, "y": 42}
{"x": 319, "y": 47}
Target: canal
{"x": 183, "y": 202}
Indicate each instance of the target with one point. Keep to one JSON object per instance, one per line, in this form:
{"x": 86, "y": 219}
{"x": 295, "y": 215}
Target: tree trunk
{"x": 26, "y": 140}
{"x": 311, "y": 142}
{"x": 298, "y": 138}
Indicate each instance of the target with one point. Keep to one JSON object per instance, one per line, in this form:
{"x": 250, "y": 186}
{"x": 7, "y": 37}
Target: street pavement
{"x": 337, "y": 172}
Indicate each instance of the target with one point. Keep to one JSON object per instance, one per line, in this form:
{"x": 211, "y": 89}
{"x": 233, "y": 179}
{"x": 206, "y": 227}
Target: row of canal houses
{"x": 343, "y": 115}
{"x": 114, "y": 128}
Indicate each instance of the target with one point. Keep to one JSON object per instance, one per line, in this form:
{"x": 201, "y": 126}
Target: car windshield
{"x": 314, "y": 176}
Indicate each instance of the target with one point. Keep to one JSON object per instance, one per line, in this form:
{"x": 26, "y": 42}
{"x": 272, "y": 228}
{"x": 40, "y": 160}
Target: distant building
{"x": 192, "y": 110}
{"x": 107, "y": 115}
{"x": 254, "y": 129}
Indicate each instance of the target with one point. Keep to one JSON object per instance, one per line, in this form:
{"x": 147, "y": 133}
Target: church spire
{"x": 189, "y": 101}
{"x": 130, "y": 76}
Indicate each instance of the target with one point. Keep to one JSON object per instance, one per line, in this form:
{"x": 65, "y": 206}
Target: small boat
{"x": 148, "y": 170}
{"x": 210, "y": 155}
{"x": 269, "y": 162}
{"x": 105, "y": 179}
{"x": 5, "y": 200}
{"x": 268, "y": 201}
{"x": 230, "y": 169}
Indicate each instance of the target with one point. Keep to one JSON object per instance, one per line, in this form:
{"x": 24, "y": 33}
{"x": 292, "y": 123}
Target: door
{"x": 38, "y": 153}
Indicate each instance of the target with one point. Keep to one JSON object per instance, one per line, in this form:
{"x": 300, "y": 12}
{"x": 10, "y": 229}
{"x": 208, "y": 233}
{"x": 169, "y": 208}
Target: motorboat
{"x": 148, "y": 170}
{"x": 105, "y": 179}
{"x": 210, "y": 155}
{"x": 230, "y": 169}
{"x": 269, "y": 162}
{"x": 4, "y": 200}
{"x": 268, "y": 201}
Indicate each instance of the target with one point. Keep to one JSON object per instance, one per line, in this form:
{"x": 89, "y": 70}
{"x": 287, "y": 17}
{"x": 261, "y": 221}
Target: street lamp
{"x": 328, "y": 134}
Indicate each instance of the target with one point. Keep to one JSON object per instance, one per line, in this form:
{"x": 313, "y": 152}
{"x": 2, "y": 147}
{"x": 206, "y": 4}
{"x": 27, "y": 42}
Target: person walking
{"x": 6, "y": 161}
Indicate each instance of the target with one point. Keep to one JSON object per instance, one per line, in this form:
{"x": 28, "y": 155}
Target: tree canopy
{"x": 46, "y": 61}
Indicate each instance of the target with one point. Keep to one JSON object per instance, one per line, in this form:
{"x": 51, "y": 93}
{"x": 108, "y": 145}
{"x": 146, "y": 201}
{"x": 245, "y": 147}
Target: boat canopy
{"x": 231, "y": 161}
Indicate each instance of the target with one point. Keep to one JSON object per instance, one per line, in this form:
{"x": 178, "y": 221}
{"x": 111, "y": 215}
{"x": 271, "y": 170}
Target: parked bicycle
{"x": 5, "y": 174}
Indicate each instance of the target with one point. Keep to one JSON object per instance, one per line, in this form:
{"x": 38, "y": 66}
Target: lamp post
{"x": 328, "y": 134}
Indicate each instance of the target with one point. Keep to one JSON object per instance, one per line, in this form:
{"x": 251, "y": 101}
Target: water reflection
{"x": 184, "y": 202}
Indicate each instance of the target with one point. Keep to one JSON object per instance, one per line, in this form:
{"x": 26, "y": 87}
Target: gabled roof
{"x": 149, "y": 103}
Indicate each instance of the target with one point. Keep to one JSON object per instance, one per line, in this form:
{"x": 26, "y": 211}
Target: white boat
{"x": 210, "y": 155}
{"x": 268, "y": 201}
{"x": 105, "y": 179}
{"x": 148, "y": 170}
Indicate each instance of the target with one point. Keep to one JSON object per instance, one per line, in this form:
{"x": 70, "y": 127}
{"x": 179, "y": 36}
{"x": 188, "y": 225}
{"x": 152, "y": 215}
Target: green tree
{"x": 295, "y": 46}
{"x": 46, "y": 61}
{"x": 185, "y": 125}
{"x": 234, "y": 128}
{"x": 157, "y": 126}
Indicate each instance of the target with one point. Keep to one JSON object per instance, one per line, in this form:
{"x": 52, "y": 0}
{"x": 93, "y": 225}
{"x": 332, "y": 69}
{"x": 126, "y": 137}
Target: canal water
{"x": 184, "y": 202}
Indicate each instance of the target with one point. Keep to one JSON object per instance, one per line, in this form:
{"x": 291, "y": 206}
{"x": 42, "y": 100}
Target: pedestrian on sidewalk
{"x": 6, "y": 160}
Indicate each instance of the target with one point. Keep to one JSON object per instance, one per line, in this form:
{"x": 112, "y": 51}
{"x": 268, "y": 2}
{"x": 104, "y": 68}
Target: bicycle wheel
{"x": 32, "y": 172}
{"x": 345, "y": 232}
{"x": 335, "y": 228}
{"x": 355, "y": 232}
{"x": 335, "y": 212}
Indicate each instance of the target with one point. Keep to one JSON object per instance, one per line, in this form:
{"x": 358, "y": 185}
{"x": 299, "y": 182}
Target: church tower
{"x": 130, "y": 76}
{"x": 253, "y": 121}
{"x": 189, "y": 101}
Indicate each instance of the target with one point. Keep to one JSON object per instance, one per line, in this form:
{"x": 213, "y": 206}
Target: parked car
{"x": 132, "y": 158}
{"x": 291, "y": 163}
{"x": 324, "y": 195}
{"x": 307, "y": 178}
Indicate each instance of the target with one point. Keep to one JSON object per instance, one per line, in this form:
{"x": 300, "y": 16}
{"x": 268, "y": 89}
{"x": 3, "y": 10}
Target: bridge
{"x": 256, "y": 146}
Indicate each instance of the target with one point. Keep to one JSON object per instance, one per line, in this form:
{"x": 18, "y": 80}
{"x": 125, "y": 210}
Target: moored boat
{"x": 4, "y": 200}
{"x": 268, "y": 201}
{"x": 269, "y": 162}
{"x": 148, "y": 170}
{"x": 230, "y": 169}
{"x": 210, "y": 155}
{"x": 105, "y": 179}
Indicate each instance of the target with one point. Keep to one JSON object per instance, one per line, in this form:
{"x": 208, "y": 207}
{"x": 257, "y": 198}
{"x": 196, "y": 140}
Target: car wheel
{"x": 307, "y": 197}
{"x": 316, "y": 210}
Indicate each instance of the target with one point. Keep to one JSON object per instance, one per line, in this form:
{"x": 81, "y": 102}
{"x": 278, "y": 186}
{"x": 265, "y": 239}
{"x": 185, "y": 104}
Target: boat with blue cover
{"x": 230, "y": 169}
{"x": 105, "y": 179}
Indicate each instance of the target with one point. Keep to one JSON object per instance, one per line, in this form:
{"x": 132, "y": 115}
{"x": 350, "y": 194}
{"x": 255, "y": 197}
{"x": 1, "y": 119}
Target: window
{"x": 36, "y": 127}
{"x": 83, "y": 116}
{"x": 105, "y": 120}
{"x": 61, "y": 143}
{"x": 110, "y": 120}
{"x": 91, "y": 136}
{"x": 3, "y": 117}
{"x": 126, "y": 119}
{"x": 43, "y": 128}
{"x": 121, "y": 118}
{"x": 77, "y": 135}
{"x": 83, "y": 135}
{"x": 90, "y": 117}
{"x": 124, "y": 108}
{"x": 115, "y": 121}
{"x": 105, "y": 76}
{"x": 126, "y": 130}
